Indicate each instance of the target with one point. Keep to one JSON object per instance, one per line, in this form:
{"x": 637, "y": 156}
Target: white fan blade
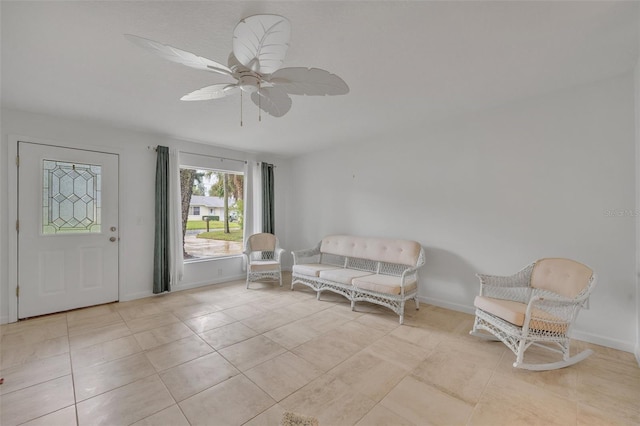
{"x": 260, "y": 42}
{"x": 174, "y": 54}
{"x": 235, "y": 65}
{"x": 308, "y": 81}
{"x": 272, "y": 101}
{"x": 215, "y": 91}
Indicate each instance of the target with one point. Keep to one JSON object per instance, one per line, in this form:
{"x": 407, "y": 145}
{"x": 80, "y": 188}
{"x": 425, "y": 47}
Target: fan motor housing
{"x": 249, "y": 83}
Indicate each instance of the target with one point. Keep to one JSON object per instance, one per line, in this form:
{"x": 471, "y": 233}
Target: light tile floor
{"x": 225, "y": 355}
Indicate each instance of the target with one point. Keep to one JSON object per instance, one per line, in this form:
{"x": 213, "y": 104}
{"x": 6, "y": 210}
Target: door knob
{"x": 113, "y": 229}
{"x": 112, "y": 239}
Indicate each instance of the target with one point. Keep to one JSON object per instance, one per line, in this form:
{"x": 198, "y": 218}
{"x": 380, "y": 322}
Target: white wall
{"x": 492, "y": 192}
{"x": 137, "y": 177}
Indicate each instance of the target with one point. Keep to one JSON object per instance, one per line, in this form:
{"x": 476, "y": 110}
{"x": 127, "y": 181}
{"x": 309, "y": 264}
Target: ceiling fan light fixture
{"x": 260, "y": 43}
{"x": 249, "y": 83}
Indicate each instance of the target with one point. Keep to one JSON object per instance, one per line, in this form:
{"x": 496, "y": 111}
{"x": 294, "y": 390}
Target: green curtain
{"x": 161, "y": 277}
{"x": 268, "y": 220}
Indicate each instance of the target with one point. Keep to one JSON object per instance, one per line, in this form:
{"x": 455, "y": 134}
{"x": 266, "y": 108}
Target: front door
{"x": 68, "y": 228}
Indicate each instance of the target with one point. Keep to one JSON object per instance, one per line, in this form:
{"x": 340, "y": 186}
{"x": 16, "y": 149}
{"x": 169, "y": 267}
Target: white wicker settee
{"x": 376, "y": 270}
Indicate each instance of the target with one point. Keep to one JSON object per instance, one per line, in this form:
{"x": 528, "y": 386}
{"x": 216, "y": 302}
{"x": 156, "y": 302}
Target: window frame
{"x": 192, "y": 210}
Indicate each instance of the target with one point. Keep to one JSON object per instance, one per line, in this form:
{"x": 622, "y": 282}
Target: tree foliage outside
{"x": 228, "y": 185}
{"x": 187, "y": 179}
{"x": 198, "y": 186}
{"x": 235, "y": 186}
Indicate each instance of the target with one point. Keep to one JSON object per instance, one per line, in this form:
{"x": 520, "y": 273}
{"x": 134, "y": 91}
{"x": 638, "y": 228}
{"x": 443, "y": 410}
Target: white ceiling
{"x": 405, "y": 62}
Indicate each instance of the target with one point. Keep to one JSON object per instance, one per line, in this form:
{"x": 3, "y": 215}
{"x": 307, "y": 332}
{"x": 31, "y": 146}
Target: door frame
{"x": 12, "y": 214}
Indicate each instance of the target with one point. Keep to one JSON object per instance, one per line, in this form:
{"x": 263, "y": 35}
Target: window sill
{"x": 210, "y": 259}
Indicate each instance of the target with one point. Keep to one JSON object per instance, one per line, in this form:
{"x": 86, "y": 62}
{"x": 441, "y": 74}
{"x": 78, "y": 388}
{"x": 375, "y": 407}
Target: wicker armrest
{"x": 409, "y": 272}
{"x": 551, "y": 314}
{"x": 512, "y": 287}
{"x": 298, "y": 255}
{"x": 519, "y": 279}
{"x": 277, "y": 254}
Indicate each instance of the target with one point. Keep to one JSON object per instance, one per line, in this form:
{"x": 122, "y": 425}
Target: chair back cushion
{"x": 565, "y": 277}
{"x": 262, "y": 242}
{"x": 404, "y": 252}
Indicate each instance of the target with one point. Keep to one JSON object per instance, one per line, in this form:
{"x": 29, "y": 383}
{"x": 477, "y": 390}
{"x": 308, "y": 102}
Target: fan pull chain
{"x": 240, "y": 108}
{"x": 259, "y": 99}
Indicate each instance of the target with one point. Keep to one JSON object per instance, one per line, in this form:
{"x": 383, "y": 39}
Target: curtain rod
{"x": 204, "y": 155}
{"x": 215, "y": 156}
{"x": 260, "y": 162}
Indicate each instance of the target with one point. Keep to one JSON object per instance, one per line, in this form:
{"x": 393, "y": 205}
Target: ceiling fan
{"x": 260, "y": 44}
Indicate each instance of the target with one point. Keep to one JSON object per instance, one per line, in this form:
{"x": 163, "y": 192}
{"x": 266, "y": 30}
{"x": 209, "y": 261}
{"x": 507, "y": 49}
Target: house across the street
{"x": 208, "y": 206}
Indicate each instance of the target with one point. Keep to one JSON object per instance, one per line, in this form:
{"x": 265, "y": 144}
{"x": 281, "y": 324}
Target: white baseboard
{"x": 134, "y": 296}
{"x": 4, "y": 319}
{"x": 188, "y": 286}
{"x": 603, "y": 341}
{"x": 576, "y": 334}
{"x": 447, "y": 305}
{"x": 219, "y": 280}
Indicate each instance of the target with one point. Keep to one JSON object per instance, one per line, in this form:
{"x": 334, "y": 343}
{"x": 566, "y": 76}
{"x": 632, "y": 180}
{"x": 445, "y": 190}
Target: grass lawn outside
{"x": 201, "y": 224}
{"x": 234, "y": 235}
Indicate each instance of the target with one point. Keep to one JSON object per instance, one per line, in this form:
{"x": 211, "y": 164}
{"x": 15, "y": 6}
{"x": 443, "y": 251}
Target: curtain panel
{"x": 161, "y": 277}
{"x": 268, "y": 219}
{"x": 176, "y": 249}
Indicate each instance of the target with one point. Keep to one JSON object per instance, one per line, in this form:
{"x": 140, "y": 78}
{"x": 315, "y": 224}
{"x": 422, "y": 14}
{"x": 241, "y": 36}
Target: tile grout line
{"x": 73, "y": 380}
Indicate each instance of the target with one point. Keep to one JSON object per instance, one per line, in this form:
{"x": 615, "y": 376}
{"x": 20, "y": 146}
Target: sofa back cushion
{"x": 562, "y": 276}
{"x": 404, "y": 252}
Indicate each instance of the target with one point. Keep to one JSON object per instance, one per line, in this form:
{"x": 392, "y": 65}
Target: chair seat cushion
{"x": 312, "y": 269}
{"x": 264, "y": 265}
{"x": 514, "y": 312}
{"x": 383, "y": 284}
{"x": 342, "y": 275}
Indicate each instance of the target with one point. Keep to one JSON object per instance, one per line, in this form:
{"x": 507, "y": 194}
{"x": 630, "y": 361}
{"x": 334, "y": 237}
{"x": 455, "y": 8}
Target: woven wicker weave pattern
{"x": 262, "y": 255}
{"x": 548, "y": 315}
{"x": 346, "y": 252}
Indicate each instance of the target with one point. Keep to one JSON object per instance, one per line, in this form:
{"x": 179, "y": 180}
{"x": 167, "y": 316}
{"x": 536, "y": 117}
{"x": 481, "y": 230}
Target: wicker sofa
{"x": 376, "y": 270}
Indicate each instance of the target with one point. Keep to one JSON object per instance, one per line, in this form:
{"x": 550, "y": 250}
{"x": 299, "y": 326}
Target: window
{"x": 220, "y": 193}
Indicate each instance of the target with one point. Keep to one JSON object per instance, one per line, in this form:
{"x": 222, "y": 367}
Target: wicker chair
{"x": 263, "y": 258}
{"x": 537, "y": 306}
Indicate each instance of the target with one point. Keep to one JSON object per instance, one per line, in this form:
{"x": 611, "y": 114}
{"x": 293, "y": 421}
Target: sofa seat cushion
{"x": 383, "y": 284}
{"x": 514, "y": 312}
{"x": 312, "y": 269}
{"x": 342, "y": 275}
{"x": 264, "y": 265}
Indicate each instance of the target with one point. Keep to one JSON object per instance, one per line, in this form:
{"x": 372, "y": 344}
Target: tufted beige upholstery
{"x": 375, "y": 270}
{"x": 562, "y": 276}
{"x": 379, "y": 249}
{"x": 383, "y": 284}
{"x": 514, "y": 312}
{"x": 262, "y": 242}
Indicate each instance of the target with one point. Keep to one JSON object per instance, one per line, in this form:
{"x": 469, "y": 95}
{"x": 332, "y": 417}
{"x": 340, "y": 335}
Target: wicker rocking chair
{"x": 536, "y": 306}
{"x": 263, "y": 258}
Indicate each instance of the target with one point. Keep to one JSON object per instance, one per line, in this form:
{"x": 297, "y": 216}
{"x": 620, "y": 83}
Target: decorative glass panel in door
{"x": 71, "y": 197}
